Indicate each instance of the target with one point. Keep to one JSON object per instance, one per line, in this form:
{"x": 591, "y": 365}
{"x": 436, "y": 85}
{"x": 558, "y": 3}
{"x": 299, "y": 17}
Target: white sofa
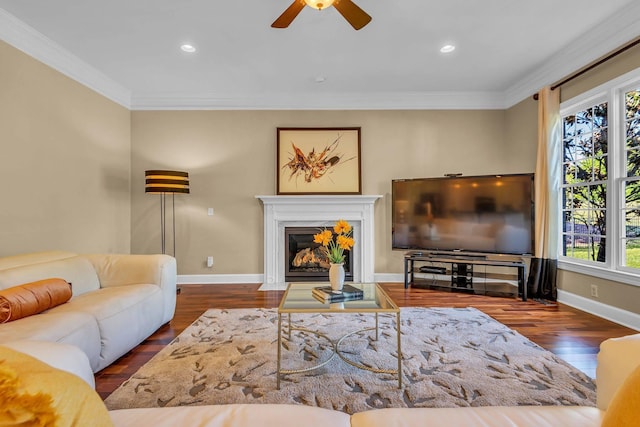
{"x": 117, "y": 301}
{"x": 617, "y": 359}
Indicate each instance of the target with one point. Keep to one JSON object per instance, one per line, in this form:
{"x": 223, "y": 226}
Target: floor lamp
{"x": 166, "y": 182}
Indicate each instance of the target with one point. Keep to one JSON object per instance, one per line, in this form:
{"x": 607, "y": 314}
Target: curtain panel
{"x": 543, "y": 269}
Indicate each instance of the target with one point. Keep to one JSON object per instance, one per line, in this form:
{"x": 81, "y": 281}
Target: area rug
{"x": 451, "y": 358}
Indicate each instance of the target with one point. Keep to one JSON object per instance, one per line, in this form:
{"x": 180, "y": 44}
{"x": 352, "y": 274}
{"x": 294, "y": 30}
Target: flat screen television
{"x": 484, "y": 214}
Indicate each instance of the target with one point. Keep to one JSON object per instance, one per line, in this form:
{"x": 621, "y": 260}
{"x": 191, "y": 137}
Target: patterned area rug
{"x": 451, "y": 358}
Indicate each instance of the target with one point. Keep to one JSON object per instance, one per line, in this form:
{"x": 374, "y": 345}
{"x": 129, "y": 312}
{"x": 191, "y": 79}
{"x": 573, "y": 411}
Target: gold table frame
{"x": 298, "y": 299}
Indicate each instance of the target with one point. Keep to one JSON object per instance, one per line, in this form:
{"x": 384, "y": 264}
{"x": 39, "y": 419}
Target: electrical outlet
{"x": 209, "y": 261}
{"x": 594, "y": 291}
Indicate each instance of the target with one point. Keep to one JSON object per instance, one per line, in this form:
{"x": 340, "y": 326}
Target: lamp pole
{"x": 163, "y": 182}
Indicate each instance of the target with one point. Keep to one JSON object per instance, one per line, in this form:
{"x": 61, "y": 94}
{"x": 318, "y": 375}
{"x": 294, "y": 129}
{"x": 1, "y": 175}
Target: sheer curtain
{"x": 543, "y": 269}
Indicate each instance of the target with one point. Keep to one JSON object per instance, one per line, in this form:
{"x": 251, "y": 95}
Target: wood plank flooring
{"x": 572, "y": 334}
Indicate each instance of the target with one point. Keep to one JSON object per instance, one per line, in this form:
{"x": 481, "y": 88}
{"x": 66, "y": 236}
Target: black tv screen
{"x": 487, "y": 214}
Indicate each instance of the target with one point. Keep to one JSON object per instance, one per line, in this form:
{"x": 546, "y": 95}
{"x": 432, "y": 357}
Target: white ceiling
{"x": 128, "y": 50}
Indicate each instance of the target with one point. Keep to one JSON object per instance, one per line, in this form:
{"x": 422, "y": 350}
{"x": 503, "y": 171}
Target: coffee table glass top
{"x": 299, "y": 299}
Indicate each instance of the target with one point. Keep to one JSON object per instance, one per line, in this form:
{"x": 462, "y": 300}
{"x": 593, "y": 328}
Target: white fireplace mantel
{"x": 318, "y": 211}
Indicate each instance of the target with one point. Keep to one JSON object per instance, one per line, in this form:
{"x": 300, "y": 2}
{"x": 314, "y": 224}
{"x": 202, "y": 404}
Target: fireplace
{"x": 318, "y": 211}
{"x": 306, "y": 260}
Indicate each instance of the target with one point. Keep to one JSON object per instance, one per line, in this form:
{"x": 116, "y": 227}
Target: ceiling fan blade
{"x": 289, "y": 15}
{"x": 357, "y": 17}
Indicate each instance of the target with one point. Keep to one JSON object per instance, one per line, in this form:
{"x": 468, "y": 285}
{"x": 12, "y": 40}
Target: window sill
{"x": 602, "y": 273}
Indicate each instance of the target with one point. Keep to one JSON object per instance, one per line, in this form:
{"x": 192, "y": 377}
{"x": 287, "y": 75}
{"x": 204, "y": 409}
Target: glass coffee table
{"x": 298, "y": 299}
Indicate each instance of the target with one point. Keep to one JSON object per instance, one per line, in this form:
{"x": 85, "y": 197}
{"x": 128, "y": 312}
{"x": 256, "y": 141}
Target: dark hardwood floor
{"x": 572, "y": 334}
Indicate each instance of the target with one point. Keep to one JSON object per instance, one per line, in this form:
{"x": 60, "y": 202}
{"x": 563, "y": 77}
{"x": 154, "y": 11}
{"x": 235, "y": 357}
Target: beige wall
{"x": 521, "y": 132}
{"x": 612, "y": 293}
{"x": 65, "y": 161}
{"x": 623, "y": 63}
{"x": 230, "y": 156}
{"x": 75, "y": 166}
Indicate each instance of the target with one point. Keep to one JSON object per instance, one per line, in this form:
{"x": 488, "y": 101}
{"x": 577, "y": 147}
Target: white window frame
{"x": 611, "y": 92}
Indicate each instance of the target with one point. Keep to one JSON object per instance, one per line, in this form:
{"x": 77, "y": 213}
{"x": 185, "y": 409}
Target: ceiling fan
{"x": 357, "y": 17}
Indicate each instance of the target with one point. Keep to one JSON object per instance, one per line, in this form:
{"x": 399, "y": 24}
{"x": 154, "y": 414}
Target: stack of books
{"x": 348, "y": 293}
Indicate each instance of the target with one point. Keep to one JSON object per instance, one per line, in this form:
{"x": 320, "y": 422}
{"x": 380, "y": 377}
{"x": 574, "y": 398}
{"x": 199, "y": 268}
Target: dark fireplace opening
{"x": 306, "y": 260}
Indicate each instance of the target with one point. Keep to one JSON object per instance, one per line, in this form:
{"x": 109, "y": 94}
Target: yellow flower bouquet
{"x": 343, "y": 241}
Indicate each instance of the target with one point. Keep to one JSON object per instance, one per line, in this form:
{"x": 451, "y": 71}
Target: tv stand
{"x": 462, "y": 272}
{"x": 455, "y": 254}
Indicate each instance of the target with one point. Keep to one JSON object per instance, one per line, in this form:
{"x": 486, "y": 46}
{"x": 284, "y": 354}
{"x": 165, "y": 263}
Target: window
{"x": 584, "y": 183}
{"x": 631, "y": 182}
{"x": 600, "y": 178}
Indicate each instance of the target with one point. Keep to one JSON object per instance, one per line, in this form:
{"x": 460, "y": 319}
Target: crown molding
{"x": 28, "y": 40}
{"x": 320, "y": 101}
{"x": 612, "y": 33}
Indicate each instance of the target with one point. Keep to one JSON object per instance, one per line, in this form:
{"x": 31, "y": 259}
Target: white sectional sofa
{"x": 117, "y": 301}
{"x": 617, "y": 359}
{"x": 120, "y": 299}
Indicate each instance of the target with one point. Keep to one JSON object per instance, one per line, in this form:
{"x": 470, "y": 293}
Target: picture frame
{"x": 318, "y": 161}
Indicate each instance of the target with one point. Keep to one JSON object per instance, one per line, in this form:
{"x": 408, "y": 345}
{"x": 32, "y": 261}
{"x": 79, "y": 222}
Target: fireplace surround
{"x": 318, "y": 211}
{"x": 306, "y": 260}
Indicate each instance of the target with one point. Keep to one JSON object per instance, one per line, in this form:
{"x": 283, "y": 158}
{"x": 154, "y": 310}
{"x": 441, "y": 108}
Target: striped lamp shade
{"x": 157, "y": 181}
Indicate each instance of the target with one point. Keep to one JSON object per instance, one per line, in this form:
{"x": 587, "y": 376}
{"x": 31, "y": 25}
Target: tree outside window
{"x": 586, "y": 178}
{"x": 631, "y": 183}
{"x": 585, "y": 158}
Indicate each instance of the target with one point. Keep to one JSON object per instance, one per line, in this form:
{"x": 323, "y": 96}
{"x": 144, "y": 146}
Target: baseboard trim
{"x": 218, "y": 279}
{"x": 614, "y": 314}
{"x": 389, "y": 277}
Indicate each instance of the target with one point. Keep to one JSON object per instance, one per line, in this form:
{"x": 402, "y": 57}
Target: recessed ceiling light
{"x": 447, "y": 48}
{"x": 188, "y": 48}
{"x": 320, "y": 79}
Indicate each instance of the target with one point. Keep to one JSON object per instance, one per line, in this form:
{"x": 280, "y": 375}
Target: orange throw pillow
{"x": 32, "y": 298}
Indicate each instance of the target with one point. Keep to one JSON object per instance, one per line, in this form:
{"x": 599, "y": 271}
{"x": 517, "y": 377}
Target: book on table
{"x": 348, "y": 293}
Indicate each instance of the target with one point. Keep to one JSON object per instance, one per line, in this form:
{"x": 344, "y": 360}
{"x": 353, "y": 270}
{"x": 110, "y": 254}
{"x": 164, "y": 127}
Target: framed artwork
{"x": 318, "y": 161}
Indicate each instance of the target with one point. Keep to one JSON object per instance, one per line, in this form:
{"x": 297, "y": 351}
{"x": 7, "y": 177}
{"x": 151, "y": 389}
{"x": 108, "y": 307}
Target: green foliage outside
{"x": 633, "y": 256}
{"x": 585, "y": 161}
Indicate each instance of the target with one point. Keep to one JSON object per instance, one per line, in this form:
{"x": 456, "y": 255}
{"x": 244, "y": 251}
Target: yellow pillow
{"x": 623, "y": 410}
{"x": 33, "y": 393}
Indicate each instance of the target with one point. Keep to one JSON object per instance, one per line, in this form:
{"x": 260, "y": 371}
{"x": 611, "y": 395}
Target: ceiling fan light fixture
{"x": 319, "y": 4}
{"x": 350, "y": 11}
